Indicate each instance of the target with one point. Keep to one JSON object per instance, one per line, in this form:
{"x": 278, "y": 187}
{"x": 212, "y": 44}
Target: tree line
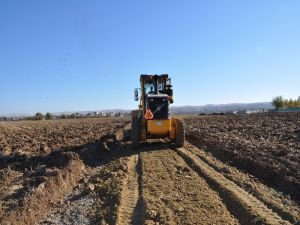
{"x": 49, "y": 116}
{"x": 41, "y": 116}
{"x": 280, "y": 103}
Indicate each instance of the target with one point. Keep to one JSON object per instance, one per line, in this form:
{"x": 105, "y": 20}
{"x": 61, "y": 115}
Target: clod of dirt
{"x": 151, "y": 214}
{"x": 123, "y": 168}
{"x": 91, "y": 187}
{"x": 104, "y": 146}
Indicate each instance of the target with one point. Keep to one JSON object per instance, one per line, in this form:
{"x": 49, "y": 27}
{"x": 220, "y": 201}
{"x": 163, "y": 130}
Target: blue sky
{"x": 69, "y": 55}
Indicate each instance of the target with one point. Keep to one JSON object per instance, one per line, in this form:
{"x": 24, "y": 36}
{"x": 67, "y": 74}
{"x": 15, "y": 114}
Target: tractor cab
{"x": 156, "y": 95}
{"x": 157, "y": 84}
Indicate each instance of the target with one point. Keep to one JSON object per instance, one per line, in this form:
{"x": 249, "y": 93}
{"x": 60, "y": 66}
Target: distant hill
{"x": 221, "y": 108}
{"x": 180, "y": 109}
{"x": 196, "y": 109}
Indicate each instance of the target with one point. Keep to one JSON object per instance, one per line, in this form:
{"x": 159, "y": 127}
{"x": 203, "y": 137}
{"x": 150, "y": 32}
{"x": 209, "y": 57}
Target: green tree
{"x": 39, "y": 116}
{"x": 285, "y": 103}
{"x": 278, "y": 102}
{"x": 63, "y": 116}
{"x": 49, "y": 116}
{"x": 291, "y": 103}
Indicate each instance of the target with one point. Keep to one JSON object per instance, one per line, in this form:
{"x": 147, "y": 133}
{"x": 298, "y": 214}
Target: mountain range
{"x": 210, "y": 108}
{"x": 220, "y": 108}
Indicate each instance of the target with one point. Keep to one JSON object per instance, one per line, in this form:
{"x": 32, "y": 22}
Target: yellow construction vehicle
{"x": 152, "y": 119}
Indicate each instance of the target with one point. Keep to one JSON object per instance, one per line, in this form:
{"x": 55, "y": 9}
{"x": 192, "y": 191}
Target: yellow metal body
{"x": 159, "y": 127}
{"x": 162, "y": 128}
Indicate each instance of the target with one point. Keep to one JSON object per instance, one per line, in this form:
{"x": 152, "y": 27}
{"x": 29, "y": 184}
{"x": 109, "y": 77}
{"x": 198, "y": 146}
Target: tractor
{"x": 152, "y": 120}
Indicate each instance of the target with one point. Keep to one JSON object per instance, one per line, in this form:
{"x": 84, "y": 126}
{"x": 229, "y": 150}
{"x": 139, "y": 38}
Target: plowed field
{"x": 265, "y": 145}
{"x": 84, "y": 171}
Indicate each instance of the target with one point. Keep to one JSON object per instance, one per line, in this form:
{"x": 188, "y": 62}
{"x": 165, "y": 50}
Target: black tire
{"x": 135, "y": 132}
{"x": 180, "y": 133}
{"x": 143, "y": 134}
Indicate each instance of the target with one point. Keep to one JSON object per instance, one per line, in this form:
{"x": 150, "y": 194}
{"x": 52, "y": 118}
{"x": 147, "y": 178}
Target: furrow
{"x": 130, "y": 210}
{"x": 247, "y": 208}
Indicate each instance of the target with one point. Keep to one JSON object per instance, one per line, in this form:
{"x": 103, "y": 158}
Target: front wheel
{"x": 180, "y": 133}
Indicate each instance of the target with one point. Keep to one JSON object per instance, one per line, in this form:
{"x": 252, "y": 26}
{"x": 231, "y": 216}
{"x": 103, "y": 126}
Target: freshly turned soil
{"x": 231, "y": 170}
{"x": 265, "y": 145}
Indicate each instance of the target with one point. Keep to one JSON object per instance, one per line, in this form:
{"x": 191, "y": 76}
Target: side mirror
{"x": 136, "y": 94}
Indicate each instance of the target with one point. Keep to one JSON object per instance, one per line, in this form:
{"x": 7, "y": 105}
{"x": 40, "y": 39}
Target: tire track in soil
{"x": 277, "y": 202}
{"x": 248, "y": 209}
{"x": 174, "y": 193}
{"x": 131, "y": 209}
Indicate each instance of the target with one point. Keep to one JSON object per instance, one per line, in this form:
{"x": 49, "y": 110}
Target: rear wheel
{"x": 135, "y": 132}
{"x": 180, "y": 133}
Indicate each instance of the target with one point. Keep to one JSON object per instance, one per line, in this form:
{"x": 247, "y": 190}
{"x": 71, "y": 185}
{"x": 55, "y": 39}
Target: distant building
{"x": 231, "y": 112}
